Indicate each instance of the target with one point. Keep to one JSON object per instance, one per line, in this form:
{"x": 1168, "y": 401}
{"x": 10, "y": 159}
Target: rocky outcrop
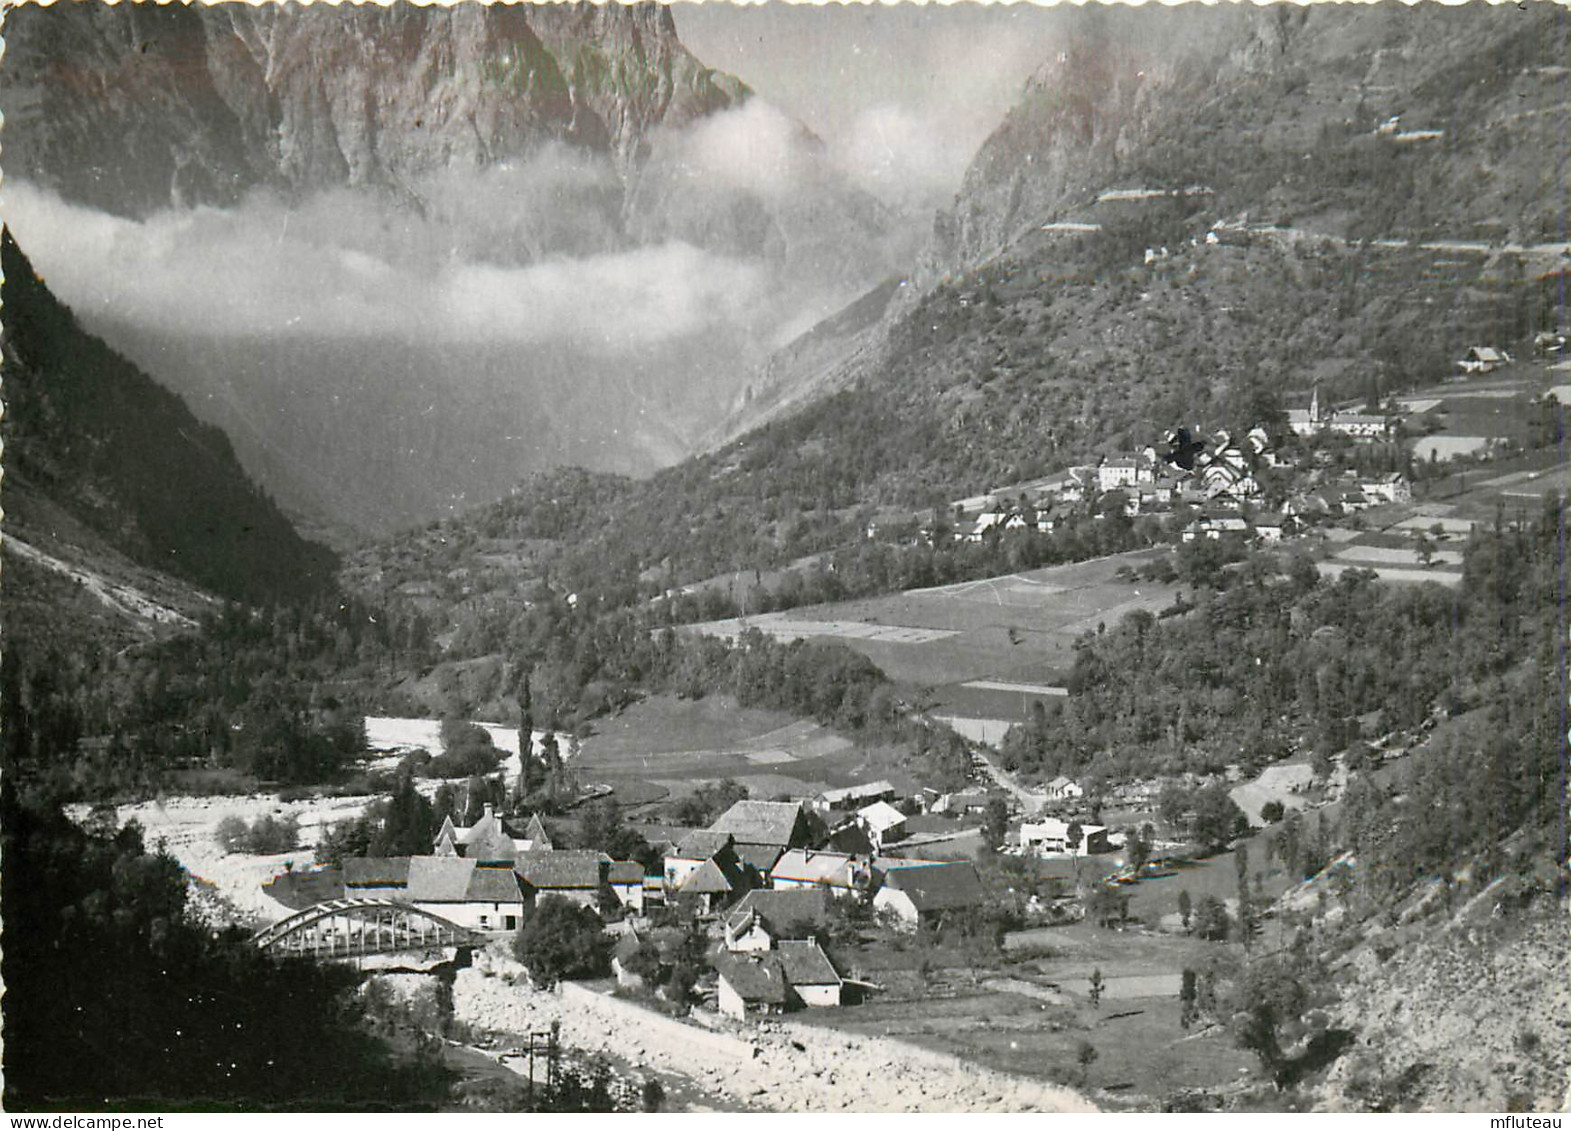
{"x": 1235, "y": 99}
{"x": 138, "y": 107}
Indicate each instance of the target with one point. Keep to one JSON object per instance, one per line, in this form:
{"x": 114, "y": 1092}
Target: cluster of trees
{"x": 1205, "y": 814}
{"x": 467, "y": 750}
{"x": 671, "y": 965}
{"x": 264, "y": 836}
{"x": 278, "y": 693}
{"x": 700, "y": 808}
{"x": 578, "y": 661}
{"x": 603, "y": 827}
{"x": 562, "y": 939}
{"x": 1274, "y": 655}
{"x": 402, "y": 824}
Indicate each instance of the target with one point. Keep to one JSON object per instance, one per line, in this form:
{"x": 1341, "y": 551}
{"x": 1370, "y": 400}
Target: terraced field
{"x": 675, "y": 745}
{"x": 986, "y": 648}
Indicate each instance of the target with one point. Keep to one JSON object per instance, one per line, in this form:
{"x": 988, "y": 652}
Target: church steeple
{"x": 1314, "y": 404}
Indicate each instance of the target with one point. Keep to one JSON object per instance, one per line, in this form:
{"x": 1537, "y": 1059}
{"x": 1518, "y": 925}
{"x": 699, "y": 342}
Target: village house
{"x": 376, "y": 877}
{"x": 967, "y": 531}
{"x": 960, "y": 804}
{"x": 1063, "y": 789}
{"x": 765, "y": 916}
{"x": 1483, "y": 359}
{"x": 1052, "y": 835}
{"x": 794, "y": 974}
{"x": 810, "y": 972}
{"x": 578, "y": 875}
{"x": 1393, "y": 488}
{"x": 488, "y": 839}
{"x": 705, "y": 869}
{"x": 841, "y": 874}
{"x": 465, "y": 892}
{"x": 758, "y": 861}
{"x": 689, "y": 854}
{"x": 626, "y": 880}
{"x": 1360, "y": 425}
{"x": 1351, "y": 500}
{"x": 1317, "y": 419}
{"x": 748, "y": 931}
{"x": 1216, "y": 527}
{"x": 1115, "y": 474}
{"x": 884, "y": 823}
{"x": 774, "y": 824}
{"x": 925, "y": 895}
{"x": 856, "y": 796}
{"x": 851, "y": 837}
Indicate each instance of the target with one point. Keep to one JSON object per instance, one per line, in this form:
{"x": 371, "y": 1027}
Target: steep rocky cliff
{"x": 137, "y": 107}
{"x": 1309, "y": 113}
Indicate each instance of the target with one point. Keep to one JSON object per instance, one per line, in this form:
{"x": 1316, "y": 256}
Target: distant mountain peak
{"x": 136, "y": 107}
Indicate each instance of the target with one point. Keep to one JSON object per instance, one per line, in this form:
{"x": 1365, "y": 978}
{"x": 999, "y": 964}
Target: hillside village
{"x": 759, "y": 876}
{"x": 1313, "y": 466}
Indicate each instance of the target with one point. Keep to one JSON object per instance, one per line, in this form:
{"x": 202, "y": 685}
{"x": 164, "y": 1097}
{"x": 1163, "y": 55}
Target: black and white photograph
{"x": 737, "y": 558}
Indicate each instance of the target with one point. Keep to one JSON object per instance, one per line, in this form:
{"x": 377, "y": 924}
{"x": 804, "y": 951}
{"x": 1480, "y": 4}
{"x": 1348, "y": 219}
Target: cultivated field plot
{"x": 677, "y": 743}
{"x": 1415, "y": 576}
{"x": 1019, "y": 628}
{"x": 972, "y": 702}
{"x": 988, "y": 732}
{"x": 781, "y": 626}
{"x": 1421, "y": 524}
{"x": 1016, "y": 688}
{"x": 1390, "y": 556}
{"x": 1536, "y": 484}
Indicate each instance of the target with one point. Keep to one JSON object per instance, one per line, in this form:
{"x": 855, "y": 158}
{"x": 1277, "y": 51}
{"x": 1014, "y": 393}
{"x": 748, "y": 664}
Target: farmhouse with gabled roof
{"x": 780, "y": 824}
{"x": 928, "y": 893}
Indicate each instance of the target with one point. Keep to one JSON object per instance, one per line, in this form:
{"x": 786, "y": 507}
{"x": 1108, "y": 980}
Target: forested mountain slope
{"x": 106, "y": 469}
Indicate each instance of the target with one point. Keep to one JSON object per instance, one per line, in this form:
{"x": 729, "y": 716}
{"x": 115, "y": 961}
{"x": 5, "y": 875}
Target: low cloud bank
{"x": 351, "y": 265}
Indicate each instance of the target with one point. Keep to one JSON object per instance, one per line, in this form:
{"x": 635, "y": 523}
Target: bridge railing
{"x": 351, "y": 927}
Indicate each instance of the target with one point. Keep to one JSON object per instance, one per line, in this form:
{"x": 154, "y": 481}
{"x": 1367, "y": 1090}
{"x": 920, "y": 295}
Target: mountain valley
{"x": 510, "y": 379}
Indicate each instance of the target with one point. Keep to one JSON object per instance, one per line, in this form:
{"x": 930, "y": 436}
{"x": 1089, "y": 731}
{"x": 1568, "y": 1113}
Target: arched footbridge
{"x": 350, "y": 928}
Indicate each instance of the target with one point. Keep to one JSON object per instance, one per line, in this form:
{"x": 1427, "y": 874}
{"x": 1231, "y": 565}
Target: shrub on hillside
{"x": 231, "y": 834}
